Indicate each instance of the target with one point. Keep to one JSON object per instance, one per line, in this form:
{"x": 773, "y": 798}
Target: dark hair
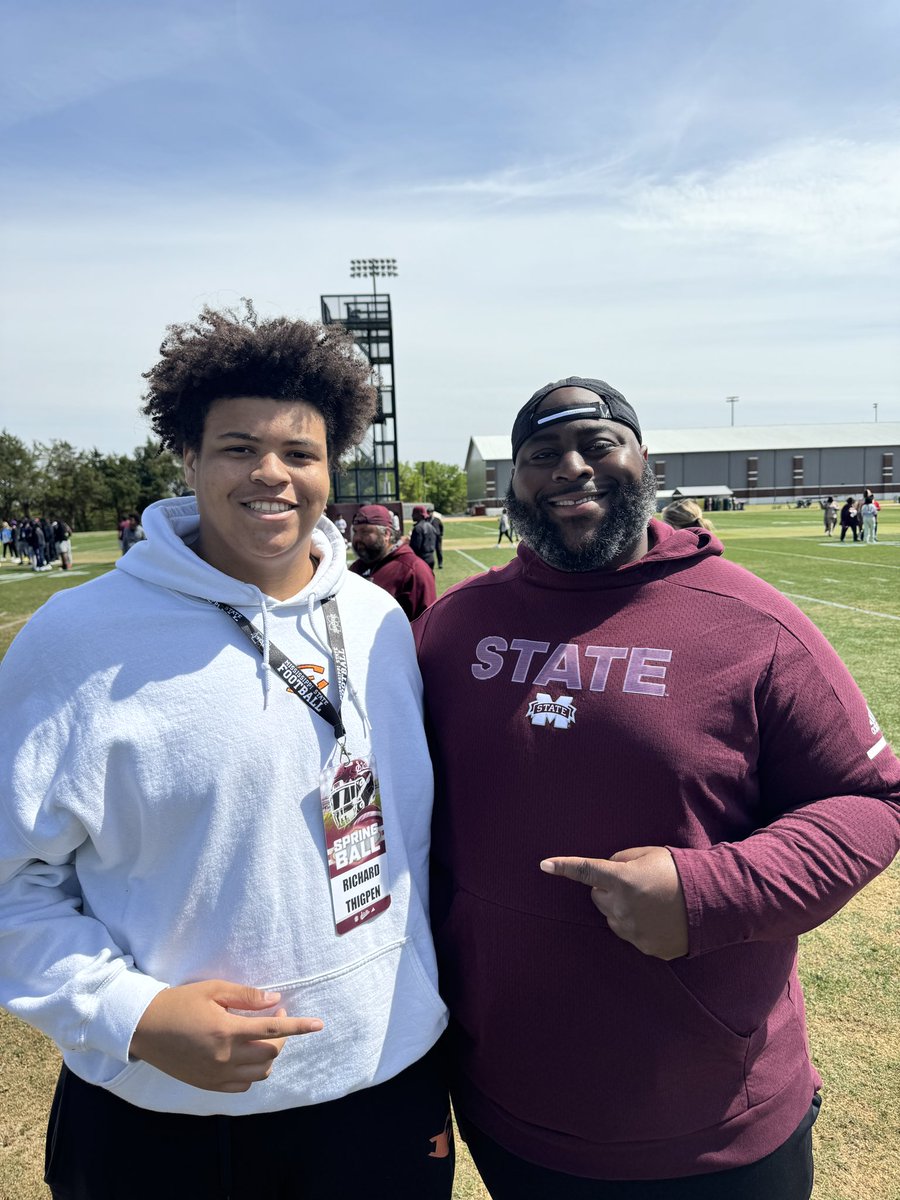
{"x": 226, "y": 353}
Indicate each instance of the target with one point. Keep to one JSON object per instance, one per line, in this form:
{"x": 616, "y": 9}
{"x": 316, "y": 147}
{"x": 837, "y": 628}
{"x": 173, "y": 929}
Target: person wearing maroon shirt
{"x": 393, "y": 567}
{"x": 650, "y": 809}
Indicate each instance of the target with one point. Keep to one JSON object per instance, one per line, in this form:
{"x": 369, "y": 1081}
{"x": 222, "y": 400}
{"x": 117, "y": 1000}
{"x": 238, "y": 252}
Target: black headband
{"x": 610, "y": 406}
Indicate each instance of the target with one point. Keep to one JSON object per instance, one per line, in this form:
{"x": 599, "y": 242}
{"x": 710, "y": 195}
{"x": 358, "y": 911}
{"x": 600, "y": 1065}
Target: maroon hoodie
{"x": 678, "y": 701}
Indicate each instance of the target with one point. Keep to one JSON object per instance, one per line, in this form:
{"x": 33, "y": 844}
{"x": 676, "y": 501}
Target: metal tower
{"x": 371, "y": 475}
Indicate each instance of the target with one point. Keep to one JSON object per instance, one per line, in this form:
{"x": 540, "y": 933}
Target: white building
{"x": 756, "y": 463}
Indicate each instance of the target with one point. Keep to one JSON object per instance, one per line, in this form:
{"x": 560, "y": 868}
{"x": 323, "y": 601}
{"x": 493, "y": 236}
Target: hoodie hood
{"x": 166, "y": 560}
{"x": 669, "y": 548}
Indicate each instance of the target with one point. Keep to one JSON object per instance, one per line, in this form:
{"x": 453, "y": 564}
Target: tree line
{"x": 90, "y": 490}
{"x": 85, "y": 488}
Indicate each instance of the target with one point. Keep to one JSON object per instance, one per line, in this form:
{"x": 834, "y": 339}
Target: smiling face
{"x": 582, "y": 492}
{"x": 261, "y": 481}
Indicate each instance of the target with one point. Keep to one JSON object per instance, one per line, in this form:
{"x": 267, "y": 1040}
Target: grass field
{"x": 850, "y": 967}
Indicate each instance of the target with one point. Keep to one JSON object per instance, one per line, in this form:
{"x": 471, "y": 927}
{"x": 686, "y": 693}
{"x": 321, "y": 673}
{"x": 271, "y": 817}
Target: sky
{"x": 692, "y": 199}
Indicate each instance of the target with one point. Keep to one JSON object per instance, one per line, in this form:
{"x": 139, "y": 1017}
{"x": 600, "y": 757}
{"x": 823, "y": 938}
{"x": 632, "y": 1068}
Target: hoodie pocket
{"x": 381, "y": 1014}
{"x": 591, "y": 1018}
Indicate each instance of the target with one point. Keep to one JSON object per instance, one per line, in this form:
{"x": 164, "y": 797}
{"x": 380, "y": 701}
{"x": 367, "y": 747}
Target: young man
{"x": 393, "y": 567}
{"x": 627, "y": 1023}
{"x": 214, "y": 832}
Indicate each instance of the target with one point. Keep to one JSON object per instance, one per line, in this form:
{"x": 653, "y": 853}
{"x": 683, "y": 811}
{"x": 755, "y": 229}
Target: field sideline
{"x": 850, "y": 967}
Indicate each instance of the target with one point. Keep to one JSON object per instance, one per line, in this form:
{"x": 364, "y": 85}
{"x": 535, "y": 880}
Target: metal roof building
{"x": 760, "y": 463}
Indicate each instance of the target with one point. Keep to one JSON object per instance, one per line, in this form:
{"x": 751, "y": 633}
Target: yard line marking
{"x": 787, "y": 581}
{"x": 40, "y": 575}
{"x": 13, "y": 624}
{"x": 835, "y": 562}
{"x": 825, "y": 579}
{"x": 471, "y": 559}
{"x": 833, "y": 604}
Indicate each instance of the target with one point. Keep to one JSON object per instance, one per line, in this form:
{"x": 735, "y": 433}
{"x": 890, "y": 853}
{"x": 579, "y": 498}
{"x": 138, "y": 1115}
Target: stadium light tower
{"x": 732, "y": 400}
{"x": 364, "y": 268}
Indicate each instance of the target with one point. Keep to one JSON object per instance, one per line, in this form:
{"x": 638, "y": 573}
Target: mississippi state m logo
{"x": 558, "y": 714}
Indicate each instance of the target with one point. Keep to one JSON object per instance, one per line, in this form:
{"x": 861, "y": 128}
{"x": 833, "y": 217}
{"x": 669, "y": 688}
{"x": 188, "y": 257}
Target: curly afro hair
{"x": 227, "y": 353}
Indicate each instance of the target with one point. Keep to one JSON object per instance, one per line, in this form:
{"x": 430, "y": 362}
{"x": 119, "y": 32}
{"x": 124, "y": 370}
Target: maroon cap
{"x": 373, "y": 514}
{"x": 419, "y": 512}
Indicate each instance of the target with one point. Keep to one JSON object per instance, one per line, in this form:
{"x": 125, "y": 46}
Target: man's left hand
{"x": 639, "y": 893}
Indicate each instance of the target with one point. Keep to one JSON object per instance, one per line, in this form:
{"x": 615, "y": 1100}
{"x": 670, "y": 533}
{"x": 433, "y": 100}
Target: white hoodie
{"x": 160, "y": 821}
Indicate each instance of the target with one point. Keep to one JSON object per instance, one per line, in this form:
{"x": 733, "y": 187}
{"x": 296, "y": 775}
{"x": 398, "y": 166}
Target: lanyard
{"x": 303, "y": 687}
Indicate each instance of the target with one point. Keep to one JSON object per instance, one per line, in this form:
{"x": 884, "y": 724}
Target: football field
{"x": 850, "y": 967}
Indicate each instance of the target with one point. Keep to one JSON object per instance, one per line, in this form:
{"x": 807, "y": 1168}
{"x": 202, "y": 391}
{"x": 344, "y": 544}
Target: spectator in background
{"x": 504, "y": 530}
{"x": 50, "y": 554}
{"x": 340, "y": 525}
{"x": 63, "y": 536}
{"x": 830, "y": 514}
{"x": 423, "y": 539}
{"x": 438, "y": 522}
{"x": 18, "y": 552}
{"x": 685, "y": 514}
{"x": 869, "y": 497}
{"x": 132, "y": 532}
{"x": 393, "y": 567}
{"x": 850, "y": 519}
{"x": 869, "y": 515}
{"x": 39, "y": 546}
{"x": 6, "y": 537}
{"x": 25, "y": 547}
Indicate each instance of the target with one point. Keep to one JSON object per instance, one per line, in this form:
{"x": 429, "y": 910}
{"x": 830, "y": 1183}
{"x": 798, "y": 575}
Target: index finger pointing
{"x": 266, "y": 1028}
{"x": 595, "y": 872}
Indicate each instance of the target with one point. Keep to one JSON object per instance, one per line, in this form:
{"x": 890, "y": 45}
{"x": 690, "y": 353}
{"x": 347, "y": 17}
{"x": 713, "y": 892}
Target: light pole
{"x": 363, "y": 268}
{"x": 732, "y": 400}
{"x": 875, "y": 406}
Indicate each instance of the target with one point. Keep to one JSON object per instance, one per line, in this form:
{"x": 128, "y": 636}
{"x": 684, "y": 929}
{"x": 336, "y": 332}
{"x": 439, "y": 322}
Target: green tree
{"x": 157, "y": 474}
{"x": 70, "y": 486}
{"x": 410, "y": 483}
{"x": 19, "y": 474}
{"x": 440, "y": 484}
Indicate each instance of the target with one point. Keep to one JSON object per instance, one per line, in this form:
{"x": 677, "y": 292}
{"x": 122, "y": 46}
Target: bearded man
{"x": 392, "y": 566}
{"x": 650, "y": 809}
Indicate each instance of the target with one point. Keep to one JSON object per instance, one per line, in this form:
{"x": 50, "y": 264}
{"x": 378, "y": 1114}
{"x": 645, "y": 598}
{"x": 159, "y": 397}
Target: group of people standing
{"x": 223, "y": 892}
{"x": 859, "y": 519}
{"x": 36, "y": 542}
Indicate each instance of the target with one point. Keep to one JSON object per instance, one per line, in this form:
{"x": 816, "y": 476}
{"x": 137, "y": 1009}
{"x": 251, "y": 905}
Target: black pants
{"x": 384, "y": 1143}
{"x": 785, "y": 1174}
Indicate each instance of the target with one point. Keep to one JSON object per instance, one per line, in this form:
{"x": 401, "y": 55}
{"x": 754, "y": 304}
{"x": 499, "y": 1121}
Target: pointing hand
{"x": 639, "y": 893}
{"x": 188, "y": 1033}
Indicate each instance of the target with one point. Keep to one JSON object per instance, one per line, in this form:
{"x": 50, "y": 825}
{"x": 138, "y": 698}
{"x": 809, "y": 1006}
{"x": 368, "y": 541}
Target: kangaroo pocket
{"x": 381, "y": 1014}
{"x": 544, "y": 1011}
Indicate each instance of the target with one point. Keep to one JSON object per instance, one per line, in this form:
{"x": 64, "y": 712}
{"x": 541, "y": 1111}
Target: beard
{"x": 372, "y": 554}
{"x": 630, "y": 508}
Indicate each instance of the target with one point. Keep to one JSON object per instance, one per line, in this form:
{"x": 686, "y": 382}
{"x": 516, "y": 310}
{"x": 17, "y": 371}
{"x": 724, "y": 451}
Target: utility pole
{"x": 875, "y": 406}
{"x": 732, "y": 400}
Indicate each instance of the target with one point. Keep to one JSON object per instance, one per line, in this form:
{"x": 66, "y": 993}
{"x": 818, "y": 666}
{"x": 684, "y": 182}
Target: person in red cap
{"x": 393, "y": 567}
